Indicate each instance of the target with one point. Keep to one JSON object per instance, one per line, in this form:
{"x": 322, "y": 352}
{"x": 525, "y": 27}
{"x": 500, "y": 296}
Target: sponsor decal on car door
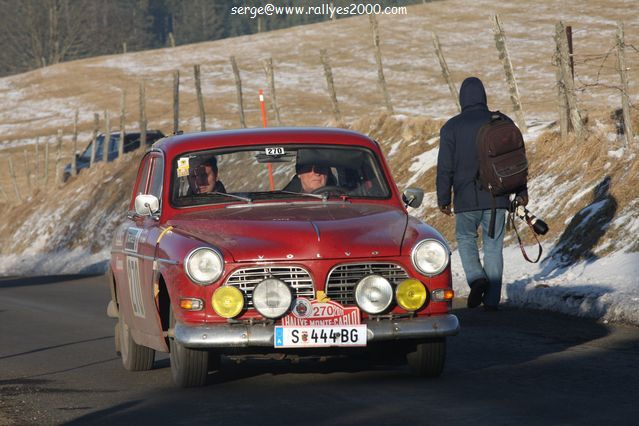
{"x": 135, "y": 290}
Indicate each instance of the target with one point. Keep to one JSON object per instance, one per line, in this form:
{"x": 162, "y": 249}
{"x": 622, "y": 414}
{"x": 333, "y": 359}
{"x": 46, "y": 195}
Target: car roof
{"x": 176, "y": 144}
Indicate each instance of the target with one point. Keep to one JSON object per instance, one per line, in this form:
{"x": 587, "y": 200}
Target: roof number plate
{"x": 275, "y": 151}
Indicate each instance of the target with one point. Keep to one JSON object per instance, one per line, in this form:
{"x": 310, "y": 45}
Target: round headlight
{"x": 430, "y": 257}
{"x": 203, "y": 265}
{"x": 411, "y": 294}
{"x": 272, "y": 298}
{"x": 373, "y": 294}
{"x": 228, "y": 301}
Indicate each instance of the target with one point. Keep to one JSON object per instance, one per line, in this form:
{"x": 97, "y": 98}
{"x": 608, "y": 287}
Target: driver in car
{"x": 311, "y": 176}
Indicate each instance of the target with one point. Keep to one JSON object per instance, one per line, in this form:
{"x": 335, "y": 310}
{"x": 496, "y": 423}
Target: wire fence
{"x": 593, "y": 72}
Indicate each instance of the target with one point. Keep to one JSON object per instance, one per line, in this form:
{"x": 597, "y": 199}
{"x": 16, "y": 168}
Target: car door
{"x": 140, "y": 235}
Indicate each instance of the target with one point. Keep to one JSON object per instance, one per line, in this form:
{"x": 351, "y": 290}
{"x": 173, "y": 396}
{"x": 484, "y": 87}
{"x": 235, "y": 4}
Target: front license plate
{"x": 320, "y": 336}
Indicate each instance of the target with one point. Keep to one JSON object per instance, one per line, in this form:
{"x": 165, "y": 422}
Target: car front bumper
{"x": 261, "y": 335}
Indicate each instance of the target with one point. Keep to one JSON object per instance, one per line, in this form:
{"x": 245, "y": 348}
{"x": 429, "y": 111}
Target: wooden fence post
{"x": 176, "y": 101}
{"x": 445, "y": 72}
{"x": 124, "y": 47}
{"x": 107, "y": 136}
{"x": 564, "y": 116}
{"x": 122, "y": 124}
{"x": 500, "y": 43}
{"x": 380, "y": 68}
{"x": 12, "y": 172}
{"x": 74, "y": 166}
{"x": 46, "y": 165}
{"x": 94, "y": 142}
{"x": 200, "y": 100}
{"x": 142, "y": 116}
{"x": 37, "y": 159}
{"x": 567, "y": 82}
{"x": 4, "y": 194}
{"x": 328, "y": 73}
{"x": 270, "y": 78}
{"x": 623, "y": 74}
{"x": 58, "y": 160}
{"x": 171, "y": 40}
{"x": 27, "y": 170}
{"x": 238, "y": 86}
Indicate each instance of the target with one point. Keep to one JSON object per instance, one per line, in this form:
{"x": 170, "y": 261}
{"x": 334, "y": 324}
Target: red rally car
{"x": 290, "y": 241}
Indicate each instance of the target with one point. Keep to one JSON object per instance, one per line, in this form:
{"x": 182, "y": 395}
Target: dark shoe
{"x": 491, "y": 308}
{"x": 477, "y": 290}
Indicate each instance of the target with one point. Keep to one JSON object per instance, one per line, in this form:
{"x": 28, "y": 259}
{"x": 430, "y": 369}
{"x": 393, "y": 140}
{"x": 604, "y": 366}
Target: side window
{"x": 157, "y": 174}
{"x": 142, "y": 180}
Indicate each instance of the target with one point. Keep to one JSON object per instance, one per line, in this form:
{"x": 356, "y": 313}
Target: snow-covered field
{"x": 65, "y": 231}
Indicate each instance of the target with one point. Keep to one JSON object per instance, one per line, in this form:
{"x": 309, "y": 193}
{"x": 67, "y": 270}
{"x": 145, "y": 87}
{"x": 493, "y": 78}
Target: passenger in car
{"x": 206, "y": 177}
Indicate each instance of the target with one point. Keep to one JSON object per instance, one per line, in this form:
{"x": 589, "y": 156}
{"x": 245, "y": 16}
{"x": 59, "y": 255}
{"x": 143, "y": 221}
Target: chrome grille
{"x": 342, "y": 279}
{"x": 246, "y": 279}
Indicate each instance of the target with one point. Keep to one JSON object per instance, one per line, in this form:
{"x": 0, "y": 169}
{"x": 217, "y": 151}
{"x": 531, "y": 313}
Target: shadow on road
{"x": 533, "y": 360}
{"x": 79, "y": 342}
{"x": 41, "y": 280}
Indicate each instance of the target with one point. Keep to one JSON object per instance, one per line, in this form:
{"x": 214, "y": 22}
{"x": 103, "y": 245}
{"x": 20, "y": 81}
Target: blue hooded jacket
{"x": 457, "y": 165}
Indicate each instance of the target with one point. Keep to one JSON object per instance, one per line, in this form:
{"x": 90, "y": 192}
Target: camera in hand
{"x": 538, "y": 226}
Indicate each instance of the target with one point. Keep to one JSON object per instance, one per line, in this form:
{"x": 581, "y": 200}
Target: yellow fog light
{"x": 228, "y": 301}
{"x": 411, "y": 294}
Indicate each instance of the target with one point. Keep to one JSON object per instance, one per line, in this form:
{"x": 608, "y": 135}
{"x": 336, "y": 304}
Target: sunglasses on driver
{"x": 306, "y": 168}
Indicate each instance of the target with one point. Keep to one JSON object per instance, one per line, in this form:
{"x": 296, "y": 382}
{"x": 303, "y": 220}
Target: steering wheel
{"x": 330, "y": 189}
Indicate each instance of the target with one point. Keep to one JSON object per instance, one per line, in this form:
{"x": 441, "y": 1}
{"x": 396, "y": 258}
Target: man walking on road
{"x": 457, "y": 169}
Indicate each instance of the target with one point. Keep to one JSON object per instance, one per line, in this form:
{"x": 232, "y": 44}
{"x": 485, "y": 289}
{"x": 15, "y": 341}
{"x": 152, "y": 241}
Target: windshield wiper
{"x": 318, "y": 196}
{"x": 239, "y": 197}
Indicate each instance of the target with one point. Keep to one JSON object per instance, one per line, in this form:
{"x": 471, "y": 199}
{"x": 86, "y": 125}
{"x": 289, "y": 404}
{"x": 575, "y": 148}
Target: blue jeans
{"x": 466, "y": 226}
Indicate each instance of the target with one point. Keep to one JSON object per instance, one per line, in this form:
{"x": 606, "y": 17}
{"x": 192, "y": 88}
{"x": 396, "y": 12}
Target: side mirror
{"x": 413, "y": 197}
{"x": 147, "y": 204}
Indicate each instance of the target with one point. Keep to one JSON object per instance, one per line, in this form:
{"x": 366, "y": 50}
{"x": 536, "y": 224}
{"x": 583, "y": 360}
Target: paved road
{"x": 57, "y": 365}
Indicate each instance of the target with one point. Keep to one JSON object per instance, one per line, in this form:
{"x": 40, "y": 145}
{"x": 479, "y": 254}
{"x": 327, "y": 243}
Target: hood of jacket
{"x": 472, "y": 92}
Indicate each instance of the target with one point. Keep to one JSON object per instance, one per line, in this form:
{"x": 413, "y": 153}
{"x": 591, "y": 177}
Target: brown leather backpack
{"x": 501, "y": 154}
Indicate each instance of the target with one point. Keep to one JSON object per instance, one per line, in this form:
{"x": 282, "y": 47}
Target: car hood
{"x": 299, "y": 231}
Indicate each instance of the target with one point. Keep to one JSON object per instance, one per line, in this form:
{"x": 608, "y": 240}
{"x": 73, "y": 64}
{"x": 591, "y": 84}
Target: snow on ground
{"x": 600, "y": 287}
{"x": 605, "y": 289}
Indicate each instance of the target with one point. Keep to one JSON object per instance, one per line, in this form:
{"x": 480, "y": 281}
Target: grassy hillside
{"x": 564, "y": 176}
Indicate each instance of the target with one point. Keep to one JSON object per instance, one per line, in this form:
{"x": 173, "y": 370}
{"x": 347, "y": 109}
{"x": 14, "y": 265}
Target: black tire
{"x": 189, "y": 367}
{"x": 117, "y": 339}
{"x": 134, "y": 357}
{"x": 428, "y": 358}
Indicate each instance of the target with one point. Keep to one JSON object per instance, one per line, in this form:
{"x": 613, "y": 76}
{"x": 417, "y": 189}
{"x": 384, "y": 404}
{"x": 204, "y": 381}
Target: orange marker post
{"x": 270, "y": 166}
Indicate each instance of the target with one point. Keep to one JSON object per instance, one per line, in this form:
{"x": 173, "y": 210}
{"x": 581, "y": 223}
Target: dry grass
{"x": 48, "y": 98}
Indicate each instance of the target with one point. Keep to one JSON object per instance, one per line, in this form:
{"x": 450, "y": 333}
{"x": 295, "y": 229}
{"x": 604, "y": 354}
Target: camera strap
{"x": 511, "y": 217}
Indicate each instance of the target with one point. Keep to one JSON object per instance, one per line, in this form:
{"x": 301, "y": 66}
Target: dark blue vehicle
{"x": 131, "y": 143}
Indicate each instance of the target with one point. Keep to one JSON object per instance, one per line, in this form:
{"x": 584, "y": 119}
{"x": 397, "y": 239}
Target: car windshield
{"x": 300, "y": 172}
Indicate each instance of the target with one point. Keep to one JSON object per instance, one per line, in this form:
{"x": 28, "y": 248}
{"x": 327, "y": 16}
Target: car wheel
{"x": 189, "y": 367}
{"x": 118, "y": 338}
{"x": 134, "y": 357}
{"x": 428, "y": 358}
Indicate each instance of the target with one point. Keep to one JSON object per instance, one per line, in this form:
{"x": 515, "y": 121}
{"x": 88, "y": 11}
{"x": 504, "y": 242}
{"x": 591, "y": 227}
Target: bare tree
{"x": 37, "y": 33}
{"x": 43, "y": 32}
{"x": 196, "y": 20}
